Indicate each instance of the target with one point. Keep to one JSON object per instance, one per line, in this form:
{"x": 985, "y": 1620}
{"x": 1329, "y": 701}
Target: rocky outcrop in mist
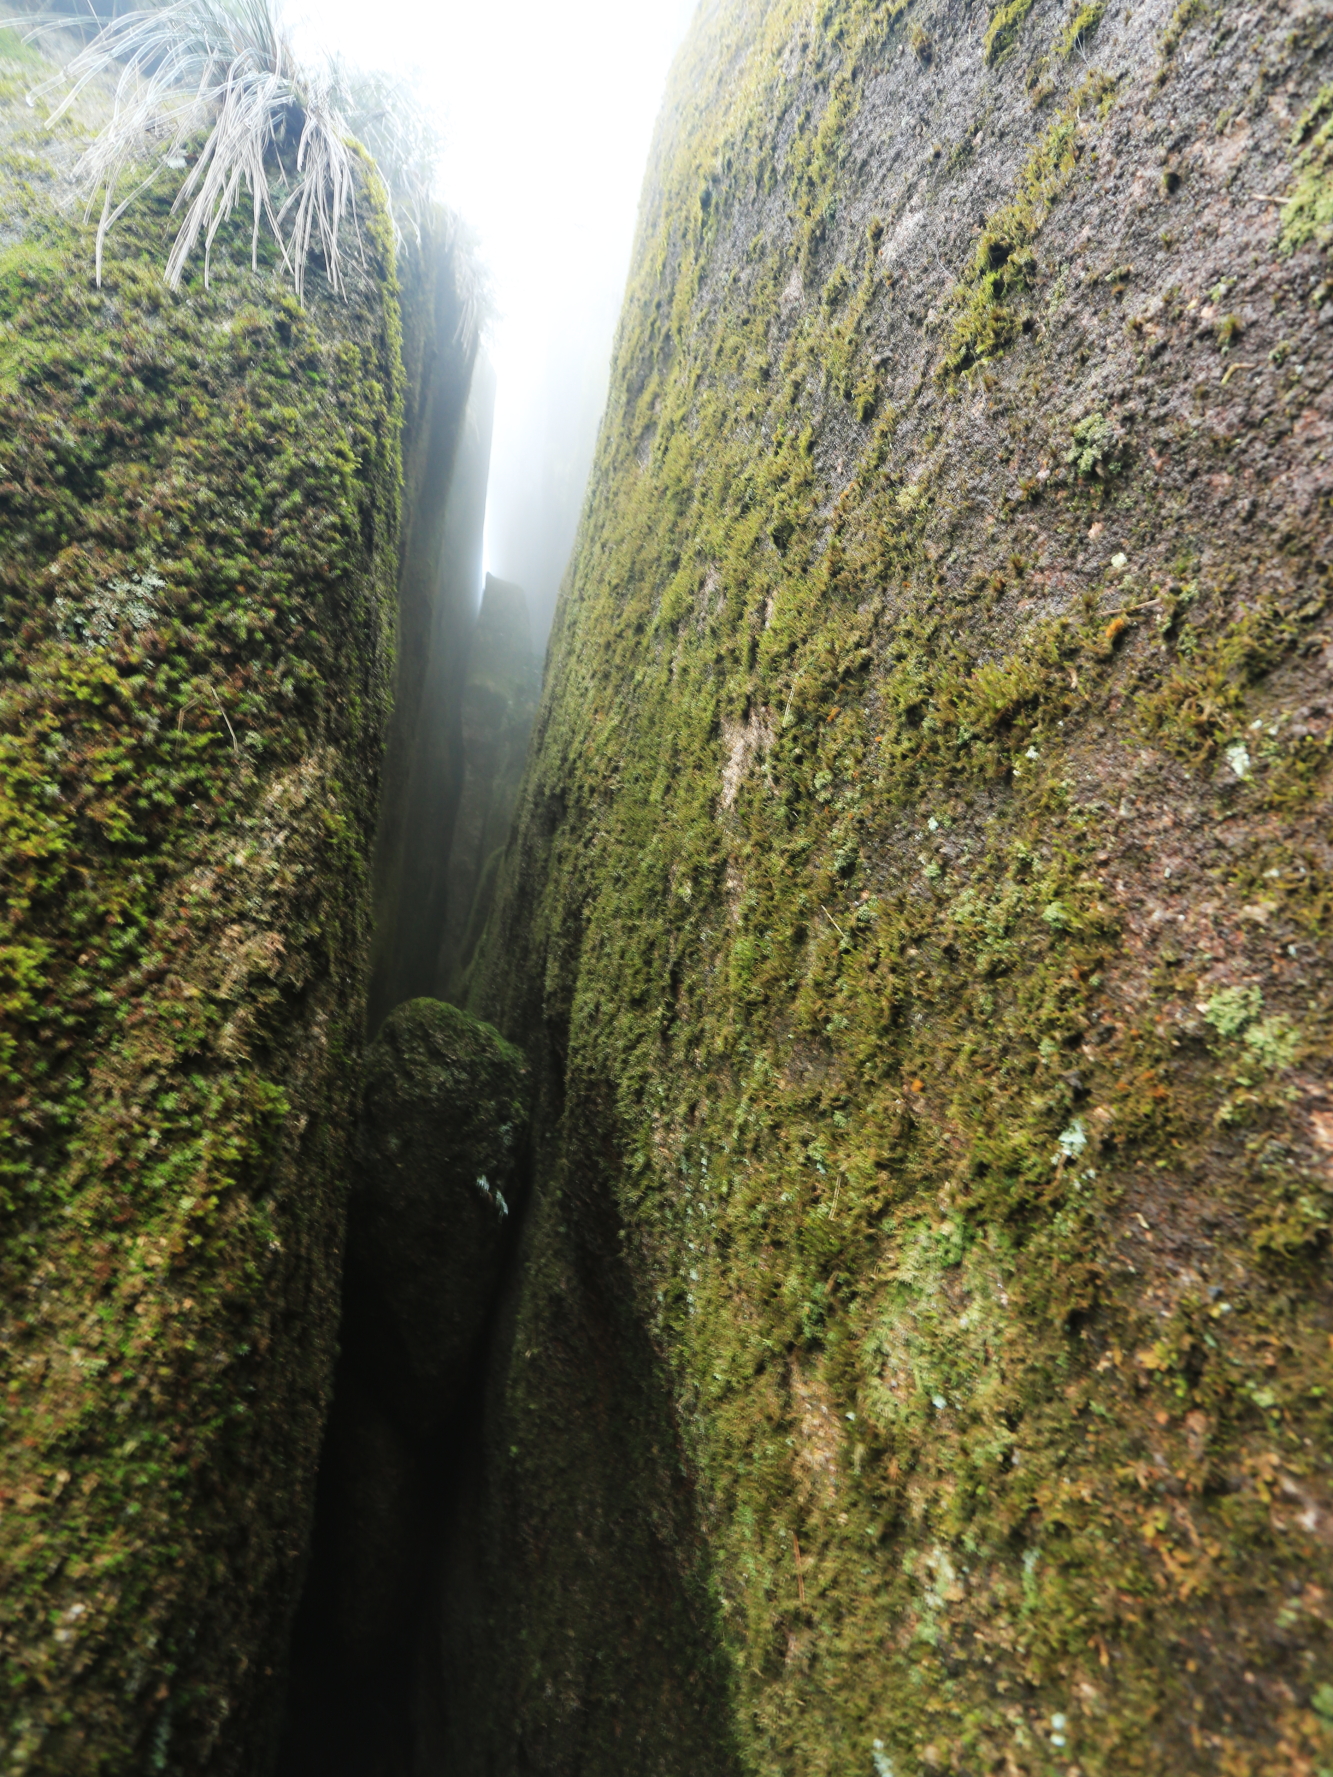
{"x": 446, "y": 470}
{"x": 498, "y": 704}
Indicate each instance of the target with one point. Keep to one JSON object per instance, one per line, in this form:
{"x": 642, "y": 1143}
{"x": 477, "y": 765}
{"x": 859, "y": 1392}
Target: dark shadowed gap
{"x": 361, "y": 1700}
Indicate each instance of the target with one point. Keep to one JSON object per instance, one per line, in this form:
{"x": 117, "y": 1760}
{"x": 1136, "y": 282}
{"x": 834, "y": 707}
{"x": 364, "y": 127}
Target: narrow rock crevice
{"x": 440, "y": 1178}
{"x": 446, "y": 464}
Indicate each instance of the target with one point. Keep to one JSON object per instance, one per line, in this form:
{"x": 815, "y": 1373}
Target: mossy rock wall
{"x": 498, "y": 704}
{"x": 199, "y": 511}
{"x": 919, "y": 912}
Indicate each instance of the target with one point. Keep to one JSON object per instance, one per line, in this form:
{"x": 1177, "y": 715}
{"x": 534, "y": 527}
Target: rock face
{"x": 498, "y": 704}
{"x": 574, "y": 1585}
{"x": 918, "y": 926}
{"x": 198, "y": 554}
{"x": 441, "y": 1170}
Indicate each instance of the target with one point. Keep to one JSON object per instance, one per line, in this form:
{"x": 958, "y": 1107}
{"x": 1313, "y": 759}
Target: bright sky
{"x": 547, "y": 109}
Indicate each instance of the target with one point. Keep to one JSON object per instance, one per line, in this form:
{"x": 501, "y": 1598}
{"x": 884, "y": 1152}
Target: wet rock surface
{"x": 918, "y": 917}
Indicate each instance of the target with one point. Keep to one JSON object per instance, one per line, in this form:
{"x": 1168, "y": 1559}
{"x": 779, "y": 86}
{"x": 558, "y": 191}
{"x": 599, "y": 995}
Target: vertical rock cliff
{"x": 199, "y": 529}
{"x": 447, "y": 465}
{"x": 918, "y": 925}
{"x": 498, "y": 703}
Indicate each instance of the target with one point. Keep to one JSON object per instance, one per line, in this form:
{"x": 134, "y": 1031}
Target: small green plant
{"x": 1093, "y": 448}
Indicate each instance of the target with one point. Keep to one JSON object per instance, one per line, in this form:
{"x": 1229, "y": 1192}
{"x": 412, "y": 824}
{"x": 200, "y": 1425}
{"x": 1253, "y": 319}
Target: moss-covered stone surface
{"x": 198, "y": 525}
{"x": 437, "y": 1191}
{"x": 919, "y": 915}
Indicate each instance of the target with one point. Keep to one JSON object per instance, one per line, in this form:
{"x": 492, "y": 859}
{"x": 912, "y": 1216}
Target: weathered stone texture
{"x": 919, "y": 916}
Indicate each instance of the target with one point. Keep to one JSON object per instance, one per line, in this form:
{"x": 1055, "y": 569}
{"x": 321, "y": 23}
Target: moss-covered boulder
{"x": 443, "y": 1130}
{"x": 497, "y": 706}
{"x": 919, "y": 917}
{"x": 199, "y": 509}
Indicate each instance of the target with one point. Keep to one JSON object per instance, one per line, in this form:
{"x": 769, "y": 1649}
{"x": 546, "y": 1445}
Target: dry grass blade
{"x": 322, "y": 193}
{"x": 222, "y": 69}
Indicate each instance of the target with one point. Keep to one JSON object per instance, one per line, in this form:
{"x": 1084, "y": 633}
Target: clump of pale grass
{"x": 406, "y": 149}
{"x": 388, "y": 122}
{"x": 222, "y": 72}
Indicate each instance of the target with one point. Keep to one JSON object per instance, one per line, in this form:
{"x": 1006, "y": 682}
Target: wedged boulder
{"x": 918, "y": 922}
{"x": 440, "y": 1169}
{"x": 445, "y": 1111}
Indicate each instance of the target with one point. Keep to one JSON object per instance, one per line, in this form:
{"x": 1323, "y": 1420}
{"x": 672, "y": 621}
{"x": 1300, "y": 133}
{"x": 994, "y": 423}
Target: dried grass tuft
{"x": 213, "y": 86}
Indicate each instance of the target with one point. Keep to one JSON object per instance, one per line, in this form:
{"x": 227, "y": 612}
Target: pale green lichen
{"x": 1093, "y": 450}
{"x": 1233, "y": 1008}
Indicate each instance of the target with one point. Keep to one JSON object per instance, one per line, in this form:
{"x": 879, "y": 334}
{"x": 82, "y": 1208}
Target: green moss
{"x": 964, "y": 1234}
{"x": 1081, "y": 29}
{"x": 1004, "y": 265}
{"x": 1002, "y": 32}
{"x": 1309, "y": 214}
{"x": 200, "y": 510}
